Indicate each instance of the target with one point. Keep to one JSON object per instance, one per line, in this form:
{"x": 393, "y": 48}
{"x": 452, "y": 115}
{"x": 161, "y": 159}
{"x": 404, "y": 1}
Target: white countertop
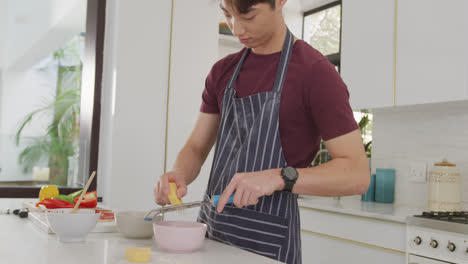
{"x": 22, "y": 242}
{"x": 351, "y": 206}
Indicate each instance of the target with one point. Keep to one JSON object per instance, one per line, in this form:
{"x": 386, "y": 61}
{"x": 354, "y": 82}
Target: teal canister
{"x": 370, "y": 193}
{"x": 385, "y": 185}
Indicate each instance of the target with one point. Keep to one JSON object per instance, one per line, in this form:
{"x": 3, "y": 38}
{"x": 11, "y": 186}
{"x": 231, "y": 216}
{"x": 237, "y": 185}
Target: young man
{"x": 267, "y": 107}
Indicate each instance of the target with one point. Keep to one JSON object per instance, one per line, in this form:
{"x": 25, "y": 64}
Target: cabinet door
{"x": 367, "y": 51}
{"x": 326, "y": 250}
{"x": 432, "y": 41}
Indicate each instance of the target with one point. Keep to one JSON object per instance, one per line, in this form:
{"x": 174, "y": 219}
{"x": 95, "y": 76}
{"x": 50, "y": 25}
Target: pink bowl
{"x": 179, "y": 236}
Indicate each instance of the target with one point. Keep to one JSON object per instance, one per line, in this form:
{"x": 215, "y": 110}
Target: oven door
{"x": 413, "y": 259}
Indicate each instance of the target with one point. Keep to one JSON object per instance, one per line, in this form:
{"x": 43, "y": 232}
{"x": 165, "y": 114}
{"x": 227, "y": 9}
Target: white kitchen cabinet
{"x": 432, "y": 51}
{"x": 329, "y": 237}
{"x": 326, "y": 250}
{"x": 430, "y": 64}
{"x": 367, "y": 52}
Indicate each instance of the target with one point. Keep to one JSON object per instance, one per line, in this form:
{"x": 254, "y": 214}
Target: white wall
{"x": 293, "y": 16}
{"x": 135, "y": 78}
{"x": 427, "y": 133}
{"x": 194, "y": 51}
{"x": 311, "y": 4}
{"x": 3, "y": 31}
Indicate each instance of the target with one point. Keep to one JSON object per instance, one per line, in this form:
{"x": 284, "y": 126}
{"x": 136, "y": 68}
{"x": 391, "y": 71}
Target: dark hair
{"x": 243, "y": 5}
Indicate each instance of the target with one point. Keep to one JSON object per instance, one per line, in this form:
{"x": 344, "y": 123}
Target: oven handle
{"x": 415, "y": 259}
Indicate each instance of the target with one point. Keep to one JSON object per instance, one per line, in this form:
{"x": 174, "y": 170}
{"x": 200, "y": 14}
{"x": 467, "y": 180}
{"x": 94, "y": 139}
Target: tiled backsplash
{"x": 425, "y": 133}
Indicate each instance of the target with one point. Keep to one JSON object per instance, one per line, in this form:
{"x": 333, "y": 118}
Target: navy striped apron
{"x": 248, "y": 140}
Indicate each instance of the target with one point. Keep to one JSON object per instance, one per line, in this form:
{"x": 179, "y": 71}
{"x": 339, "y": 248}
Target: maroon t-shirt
{"x": 314, "y": 102}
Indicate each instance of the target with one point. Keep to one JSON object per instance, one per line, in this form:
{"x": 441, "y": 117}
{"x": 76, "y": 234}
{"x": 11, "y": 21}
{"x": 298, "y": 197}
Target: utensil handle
{"x": 83, "y": 193}
{"x": 215, "y": 199}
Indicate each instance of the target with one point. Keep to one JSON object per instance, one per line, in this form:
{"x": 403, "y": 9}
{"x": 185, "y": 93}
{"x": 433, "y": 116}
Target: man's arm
{"x": 346, "y": 174}
{"x": 190, "y": 158}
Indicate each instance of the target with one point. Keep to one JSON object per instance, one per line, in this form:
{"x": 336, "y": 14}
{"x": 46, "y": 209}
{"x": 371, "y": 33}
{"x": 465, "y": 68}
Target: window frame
{"x": 90, "y": 103}
{"x": 334, "y": 58}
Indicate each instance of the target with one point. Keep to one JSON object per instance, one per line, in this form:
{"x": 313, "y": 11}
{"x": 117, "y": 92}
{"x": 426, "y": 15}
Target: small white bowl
{"x": 131, "y": 224}
{"x": 72, "y": 227}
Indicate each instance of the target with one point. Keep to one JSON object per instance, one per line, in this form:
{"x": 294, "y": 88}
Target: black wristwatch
{"x": 289, "y": 175}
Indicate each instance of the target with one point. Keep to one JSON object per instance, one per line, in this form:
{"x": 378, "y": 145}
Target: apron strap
{"x": 284, "y": 62}
{"x": 237, "y": 70}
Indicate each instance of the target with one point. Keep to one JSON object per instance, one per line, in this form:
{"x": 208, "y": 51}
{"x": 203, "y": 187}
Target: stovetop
{"x": 437, "y": 237}
{"x": 452, "y": 217}
{"x": 455, "y": 222}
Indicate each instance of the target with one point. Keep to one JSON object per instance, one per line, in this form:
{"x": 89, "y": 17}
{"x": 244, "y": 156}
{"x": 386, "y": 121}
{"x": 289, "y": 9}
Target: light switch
{"x": 417, "y": 171}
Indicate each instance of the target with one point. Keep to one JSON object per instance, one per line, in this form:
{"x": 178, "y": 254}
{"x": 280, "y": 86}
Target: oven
{"x": 437, "y": 238}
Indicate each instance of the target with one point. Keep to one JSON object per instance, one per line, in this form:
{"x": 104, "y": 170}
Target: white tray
{"x": 38, "y": 217}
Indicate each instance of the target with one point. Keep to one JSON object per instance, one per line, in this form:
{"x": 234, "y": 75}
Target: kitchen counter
{"x": 351, "y": 206}
{"x": 23, "y": 242}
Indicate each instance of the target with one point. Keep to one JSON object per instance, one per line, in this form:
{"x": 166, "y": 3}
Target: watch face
{"x": 290, "y": 173}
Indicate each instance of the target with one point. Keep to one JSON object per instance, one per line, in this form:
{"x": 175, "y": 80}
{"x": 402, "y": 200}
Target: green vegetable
{"x": 64, "y": 198}
{"x": 75, "y": 194}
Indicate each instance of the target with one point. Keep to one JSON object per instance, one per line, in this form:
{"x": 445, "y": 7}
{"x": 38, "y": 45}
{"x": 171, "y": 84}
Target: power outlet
{"x": 417, "y": 171}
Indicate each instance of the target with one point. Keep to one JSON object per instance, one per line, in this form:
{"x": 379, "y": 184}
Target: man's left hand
{"x": 250, "y": 186}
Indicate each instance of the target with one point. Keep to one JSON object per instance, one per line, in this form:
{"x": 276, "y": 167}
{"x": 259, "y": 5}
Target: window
{"x": 322, "y": 30}
{"x": 50, "y": 72}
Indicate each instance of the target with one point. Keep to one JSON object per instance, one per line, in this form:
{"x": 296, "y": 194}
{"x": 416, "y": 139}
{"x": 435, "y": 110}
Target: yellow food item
{"x": 48, "y": 191}
{"x": 139, "y": 255}
{"x": 173, "y": 194}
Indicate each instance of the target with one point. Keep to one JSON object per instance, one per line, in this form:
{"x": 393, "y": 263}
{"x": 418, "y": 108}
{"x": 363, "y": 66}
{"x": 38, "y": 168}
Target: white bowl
{"x": 131, "y": 224}
{"x": 72, "y": 227}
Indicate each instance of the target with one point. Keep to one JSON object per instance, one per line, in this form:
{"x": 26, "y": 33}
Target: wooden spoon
{"x": 83, "y": 193}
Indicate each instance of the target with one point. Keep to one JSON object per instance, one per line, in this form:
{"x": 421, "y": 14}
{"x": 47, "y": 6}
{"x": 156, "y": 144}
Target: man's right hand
{"x": 161, "y": 191}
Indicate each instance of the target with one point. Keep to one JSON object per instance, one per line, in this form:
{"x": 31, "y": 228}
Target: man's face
{"x": 254, "y": 27}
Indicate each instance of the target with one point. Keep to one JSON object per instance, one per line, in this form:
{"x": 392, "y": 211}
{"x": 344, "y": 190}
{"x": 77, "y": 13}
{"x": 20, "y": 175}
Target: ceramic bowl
{"x": 179, "y": 236}
{"x": 72, "y": 227}
{"x": 131, "y": 224}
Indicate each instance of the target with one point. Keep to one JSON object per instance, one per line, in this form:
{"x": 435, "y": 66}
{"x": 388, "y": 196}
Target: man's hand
{"x": 250, "y": 186}
{"x": 161, "y": 191}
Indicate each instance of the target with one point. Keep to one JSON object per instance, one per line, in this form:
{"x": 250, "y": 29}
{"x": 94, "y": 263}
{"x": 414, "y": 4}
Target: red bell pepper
{"x": 50, "y": 203}
{"x": 89, "y": 200}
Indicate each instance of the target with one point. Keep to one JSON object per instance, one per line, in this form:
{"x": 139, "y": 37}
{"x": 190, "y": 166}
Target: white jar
{"x": 444, "y": 187}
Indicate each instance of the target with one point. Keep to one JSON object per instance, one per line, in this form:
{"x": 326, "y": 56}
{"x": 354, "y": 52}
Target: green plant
{"x": 58, "y": 143}
{"x": 62, "y": 135}
{"x": 363, "y": 123}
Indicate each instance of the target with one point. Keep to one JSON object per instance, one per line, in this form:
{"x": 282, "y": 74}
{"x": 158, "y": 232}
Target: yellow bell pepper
{"x": 48, "y": 191}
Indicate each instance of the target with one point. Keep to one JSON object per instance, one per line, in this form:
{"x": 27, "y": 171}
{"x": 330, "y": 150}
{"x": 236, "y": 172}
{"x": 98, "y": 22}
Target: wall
{"x": 3, "y": 31}
{"x": 312, "y": 4}
{"x": 134, "y": 92}
{"x": 426, "y": 133}
{"x": 293, "y": 16}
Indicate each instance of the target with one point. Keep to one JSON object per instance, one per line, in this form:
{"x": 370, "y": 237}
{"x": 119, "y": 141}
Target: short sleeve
{"x": 209, "y": 96}
{"x": 328, "y": 104}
